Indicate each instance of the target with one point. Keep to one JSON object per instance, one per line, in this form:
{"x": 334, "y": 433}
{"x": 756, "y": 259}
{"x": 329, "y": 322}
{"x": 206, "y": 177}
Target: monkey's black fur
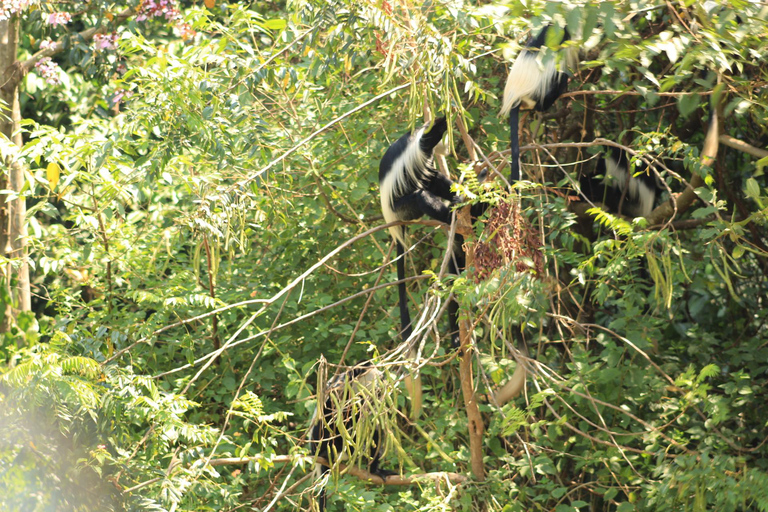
{"x": 625, "y": 191}
{"x": 345, "y": 402}
{"x": 530, "y": 85}
{"x": 411, "y": 187}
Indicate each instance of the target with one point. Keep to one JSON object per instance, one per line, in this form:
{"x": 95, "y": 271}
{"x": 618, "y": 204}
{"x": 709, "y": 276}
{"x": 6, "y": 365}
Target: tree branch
{"x": 572, "y": 94}
{"x": 454, "y": 478}
{"x": 733, "y": 142}
{"x": 328, "y": 204}
{"x": 468, "y": 142}
{"x": 474, "y": 419}
{"x": 684, "y": 201}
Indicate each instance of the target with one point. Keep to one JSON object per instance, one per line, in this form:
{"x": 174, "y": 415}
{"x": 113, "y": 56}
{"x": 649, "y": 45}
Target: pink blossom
{"x": 121, "y": 94}
{"x": 10, "y": 7}
{"x": 105, "y": 41}
{"x": 185, "y": 30}
{"x": 158, "y": 8}
{"x": 44, "y": 45}
{"x": 59, "y": 18}
{"x": 49, "y": 70}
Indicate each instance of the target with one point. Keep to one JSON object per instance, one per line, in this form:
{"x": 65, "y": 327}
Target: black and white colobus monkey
{"x": 347, "y": 399}
{"x": 623, "y": 190}
{"x": 533, "y": 85}
{"x": 411, "y": 187}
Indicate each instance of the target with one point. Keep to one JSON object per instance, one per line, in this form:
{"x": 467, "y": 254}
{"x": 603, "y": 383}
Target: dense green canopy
{"x": 204, "y": 228}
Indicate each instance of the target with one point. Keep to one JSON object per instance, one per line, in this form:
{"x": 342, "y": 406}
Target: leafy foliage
{"x": 181, "y": 193}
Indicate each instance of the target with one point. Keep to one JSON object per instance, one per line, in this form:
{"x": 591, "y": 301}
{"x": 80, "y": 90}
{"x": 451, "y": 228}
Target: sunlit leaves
{"x": 52, "y": 173}
{"x": 149, "y": 231}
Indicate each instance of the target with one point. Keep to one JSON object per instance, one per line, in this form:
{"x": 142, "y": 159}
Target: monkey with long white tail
{"x": 411, "y": 187}
{"x": 532, "y": 84}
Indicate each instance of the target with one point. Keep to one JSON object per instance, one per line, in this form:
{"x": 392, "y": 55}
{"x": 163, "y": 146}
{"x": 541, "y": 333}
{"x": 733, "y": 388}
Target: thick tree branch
{"x": 474, "y": 419}
{"x": 684, "y": 201}
{"x": 733, "y": 142}
{"x": 468, "y": 142}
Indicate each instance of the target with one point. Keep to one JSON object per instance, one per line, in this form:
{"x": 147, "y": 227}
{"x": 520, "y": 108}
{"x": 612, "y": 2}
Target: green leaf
{"x": 687, "y": 104}
{"x": 753, "y": 189}
{"x": 275, "y": 24}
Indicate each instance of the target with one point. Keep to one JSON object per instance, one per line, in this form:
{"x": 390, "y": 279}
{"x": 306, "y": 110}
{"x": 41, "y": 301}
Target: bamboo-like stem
{"x": 212, "y": 292}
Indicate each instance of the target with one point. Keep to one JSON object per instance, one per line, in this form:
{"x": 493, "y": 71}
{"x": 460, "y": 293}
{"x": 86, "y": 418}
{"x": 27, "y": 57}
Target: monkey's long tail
{"x": 321, "y": 497}
{"x": 514, "y": 145}
{"x": 456, "y": 266}
{"x": 412, "y": 384}
{"x": 405, "y": 317}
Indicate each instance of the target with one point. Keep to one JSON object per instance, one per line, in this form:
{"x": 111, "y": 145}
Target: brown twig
{"x": 679, "y": 225}
{"x": 572, "y": 94}
{"x": 328, "y": 204}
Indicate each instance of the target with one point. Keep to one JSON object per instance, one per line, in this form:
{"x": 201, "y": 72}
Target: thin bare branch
{"x": 242, "y": 183}
{"x": 573, "y": 94}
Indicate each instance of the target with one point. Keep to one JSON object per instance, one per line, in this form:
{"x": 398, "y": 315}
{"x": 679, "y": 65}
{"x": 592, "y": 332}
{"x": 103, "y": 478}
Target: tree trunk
{"x": 13, "y": 230}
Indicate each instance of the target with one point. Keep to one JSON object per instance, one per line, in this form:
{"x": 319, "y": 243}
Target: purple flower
{"x": 105, "y": 41}
{"x": 121, "y": 94}
{"x": 49, "y": 70}
{"x": 158, "y": 8}
{"x": 44, "y": 45}
{"x": 59, "y": 18}
{"x": 10, "y": 7}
